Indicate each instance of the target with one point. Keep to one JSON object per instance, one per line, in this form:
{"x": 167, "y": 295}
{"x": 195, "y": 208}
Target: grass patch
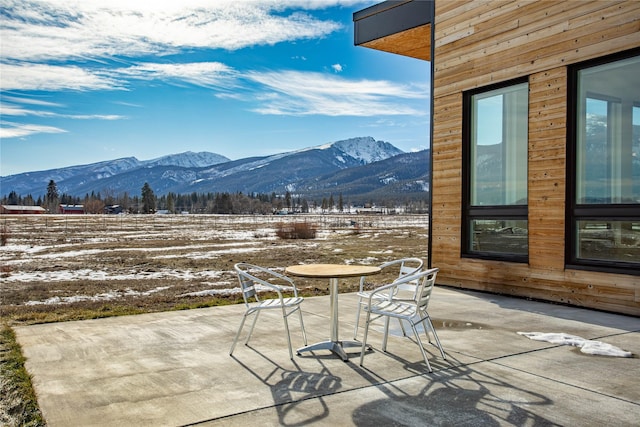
{"x": 19, "y": 405}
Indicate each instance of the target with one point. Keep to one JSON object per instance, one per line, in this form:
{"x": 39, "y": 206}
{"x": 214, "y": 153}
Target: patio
{"x": 174, "y": 369}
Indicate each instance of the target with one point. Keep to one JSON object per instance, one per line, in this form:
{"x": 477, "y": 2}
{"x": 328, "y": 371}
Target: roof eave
{"x": 402, "y": 27}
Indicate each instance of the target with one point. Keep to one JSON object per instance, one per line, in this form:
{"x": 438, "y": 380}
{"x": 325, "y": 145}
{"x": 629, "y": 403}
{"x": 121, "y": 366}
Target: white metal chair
{"x": 249, "y": 284}
{"x": 412, "y": 311}
{"x": 405, "y": 266}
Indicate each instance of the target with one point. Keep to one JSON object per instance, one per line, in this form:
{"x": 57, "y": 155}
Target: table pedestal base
{"x": 336, "y": 347}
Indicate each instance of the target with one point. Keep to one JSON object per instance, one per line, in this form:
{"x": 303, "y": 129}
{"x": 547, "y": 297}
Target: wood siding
{"x": 478, "y": 43}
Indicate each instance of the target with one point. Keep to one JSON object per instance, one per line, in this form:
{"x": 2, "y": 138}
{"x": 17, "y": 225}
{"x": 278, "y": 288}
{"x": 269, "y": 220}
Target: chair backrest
{"x": 249, "y": 282}
{"x": 427, "y": 281}
{"x": 405, "y": 266}
{"x": 408, "y": 266}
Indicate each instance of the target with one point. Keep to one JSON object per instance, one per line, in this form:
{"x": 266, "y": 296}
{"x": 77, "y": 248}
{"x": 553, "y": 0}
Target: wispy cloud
{"x": 45, "y": 77}
{"x": 205, "y": 74}
{"x": 7, "y": 109}
{"x": 30, "y": 101}
{"x": 15, "y": 130}
{"x": 305, "y": 93}
{"x": 94, "y": 29}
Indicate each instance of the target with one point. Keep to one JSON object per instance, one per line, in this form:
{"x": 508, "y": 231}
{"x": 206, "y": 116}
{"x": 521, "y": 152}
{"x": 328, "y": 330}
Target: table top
{"x": 331, "y": 270}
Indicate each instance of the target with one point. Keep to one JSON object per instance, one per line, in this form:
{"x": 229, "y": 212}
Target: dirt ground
{"x": 62, "y": 267}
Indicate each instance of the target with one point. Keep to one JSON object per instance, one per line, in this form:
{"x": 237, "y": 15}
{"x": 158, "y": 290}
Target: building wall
{"x": 478, "y": 43}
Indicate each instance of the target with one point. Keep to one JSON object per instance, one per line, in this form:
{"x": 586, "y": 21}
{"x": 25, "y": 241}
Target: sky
{"x": 84, "y": 81}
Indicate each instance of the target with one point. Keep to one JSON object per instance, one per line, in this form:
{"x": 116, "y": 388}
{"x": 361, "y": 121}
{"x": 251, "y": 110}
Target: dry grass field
{"x": 63, "y": 267}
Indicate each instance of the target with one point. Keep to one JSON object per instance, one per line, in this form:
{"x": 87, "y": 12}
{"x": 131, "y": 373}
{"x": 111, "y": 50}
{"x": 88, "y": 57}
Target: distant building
{"x": 21, "y": 210}
{"x": 71, "y": 209}
{"x": 113, "y": 209}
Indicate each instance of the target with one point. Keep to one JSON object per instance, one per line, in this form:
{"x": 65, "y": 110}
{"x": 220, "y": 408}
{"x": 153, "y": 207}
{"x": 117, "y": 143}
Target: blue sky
{"x": 84, "y": 81}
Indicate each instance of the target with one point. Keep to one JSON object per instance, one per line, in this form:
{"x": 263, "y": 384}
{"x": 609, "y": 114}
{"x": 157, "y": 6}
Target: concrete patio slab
{"x": 174, "y": 369}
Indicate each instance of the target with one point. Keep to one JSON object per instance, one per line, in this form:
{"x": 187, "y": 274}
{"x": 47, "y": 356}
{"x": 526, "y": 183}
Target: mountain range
{"x": 361, "y": 168}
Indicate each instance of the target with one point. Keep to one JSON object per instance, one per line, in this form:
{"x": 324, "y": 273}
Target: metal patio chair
{"x": 412, "y": 311}
{"x": 249, "y": 283}
{"x": 405, "y": 266}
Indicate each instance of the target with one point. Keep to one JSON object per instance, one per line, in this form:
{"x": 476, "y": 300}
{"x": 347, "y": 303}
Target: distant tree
{"x": 93, "y": 206}
{"x": 340, "y": 203}
{"x": 171, "y": 204}
{"x": 148, "y": 199}
{"x": 287, "y": 200}
{"x": 109, "y": 196}
{"x": 135, "y": 205}
{"x": 13, "y": 198}
{"x": 123, "y": 201}
{"x": 52, "y": 198}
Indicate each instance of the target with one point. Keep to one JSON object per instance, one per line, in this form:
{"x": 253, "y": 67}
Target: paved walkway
{"x": 173, "y": 369}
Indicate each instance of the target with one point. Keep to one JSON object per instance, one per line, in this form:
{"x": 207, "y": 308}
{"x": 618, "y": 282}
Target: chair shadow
{"x": 291, "y": 388}
{"x": 454, "y": 394}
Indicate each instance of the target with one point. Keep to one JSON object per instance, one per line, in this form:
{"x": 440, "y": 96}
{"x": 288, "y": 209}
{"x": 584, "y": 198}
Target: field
{"x": 63, "y": 267}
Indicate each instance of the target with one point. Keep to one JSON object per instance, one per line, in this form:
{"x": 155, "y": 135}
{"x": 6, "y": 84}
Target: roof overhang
{"x": 402, "y": 27}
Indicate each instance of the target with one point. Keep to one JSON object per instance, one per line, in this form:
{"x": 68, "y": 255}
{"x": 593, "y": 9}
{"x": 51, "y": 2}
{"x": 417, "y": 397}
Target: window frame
{"x": 496, "y": 212}
{"x": 604, "y": 212}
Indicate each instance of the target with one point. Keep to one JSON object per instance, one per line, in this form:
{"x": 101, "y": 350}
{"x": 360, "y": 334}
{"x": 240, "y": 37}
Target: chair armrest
{"x": 277, "y": 288}
{"x": 381, "y": 289}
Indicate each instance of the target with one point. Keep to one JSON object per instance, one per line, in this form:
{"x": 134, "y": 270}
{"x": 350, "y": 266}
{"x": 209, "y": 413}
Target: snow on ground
{"x": 586, "y": 346}
{"x": 100, "y": 297}
{"x": 229, "y": 291}
{"x": 93, "y": 275}
{"x": 55, "y": 248}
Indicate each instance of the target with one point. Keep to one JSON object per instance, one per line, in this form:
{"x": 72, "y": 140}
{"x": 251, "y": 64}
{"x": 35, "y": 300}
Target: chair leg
{"x": 233, "y": 346}
{"x": 364, "y": 337}
{"x": 253, "y": 324}
{"x": 404, "y": 331}
{"x": 286, "y": 327}
{"x": 435, "y": 335}
{"x": 386, "y": 333}
{"x": 424, "y": 353}
{"x": 426, "y": 328}
{"x": 304, "y": 333}
{"x": 355, "y": 329}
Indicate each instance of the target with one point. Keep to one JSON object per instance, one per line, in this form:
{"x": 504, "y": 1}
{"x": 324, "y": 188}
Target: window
{"x": 604, "y": 154}
{"x": 495, "y": 123}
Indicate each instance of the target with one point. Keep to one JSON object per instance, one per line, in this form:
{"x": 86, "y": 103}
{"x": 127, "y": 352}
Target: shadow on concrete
{"x": 290, "y": 388}
{"x": 453, "y": 396}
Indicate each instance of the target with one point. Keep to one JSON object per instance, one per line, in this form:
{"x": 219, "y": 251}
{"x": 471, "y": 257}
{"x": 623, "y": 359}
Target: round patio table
{"x": 333, "y": 272}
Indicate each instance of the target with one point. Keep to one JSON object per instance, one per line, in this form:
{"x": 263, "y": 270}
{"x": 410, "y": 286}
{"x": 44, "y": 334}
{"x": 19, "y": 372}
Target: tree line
{"x": 201, "y": 203}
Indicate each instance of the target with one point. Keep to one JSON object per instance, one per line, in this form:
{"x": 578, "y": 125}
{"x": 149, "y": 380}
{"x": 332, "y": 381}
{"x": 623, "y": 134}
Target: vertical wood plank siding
{"x": 478, "y": 43}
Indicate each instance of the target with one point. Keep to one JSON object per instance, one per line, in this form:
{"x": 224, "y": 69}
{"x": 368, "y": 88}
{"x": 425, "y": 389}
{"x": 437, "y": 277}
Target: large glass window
{"x": 604, "y": 206}
{"x": 495, "y": 157}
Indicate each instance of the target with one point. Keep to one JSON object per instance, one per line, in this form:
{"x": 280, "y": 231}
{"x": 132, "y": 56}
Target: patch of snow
{"x": 95, "y": 275}
{"x": 586, "y": 346}
{"x": 365, "y": 261}
{"x": 229, "y": 291}
{"x": 98, "y": 297}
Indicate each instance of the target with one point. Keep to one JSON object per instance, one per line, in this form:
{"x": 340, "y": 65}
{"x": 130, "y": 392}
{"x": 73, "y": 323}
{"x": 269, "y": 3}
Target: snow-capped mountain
{"x": 69, "y": 179}
{"x": 295, "y": 171}
{"x": 188, "y": 159}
